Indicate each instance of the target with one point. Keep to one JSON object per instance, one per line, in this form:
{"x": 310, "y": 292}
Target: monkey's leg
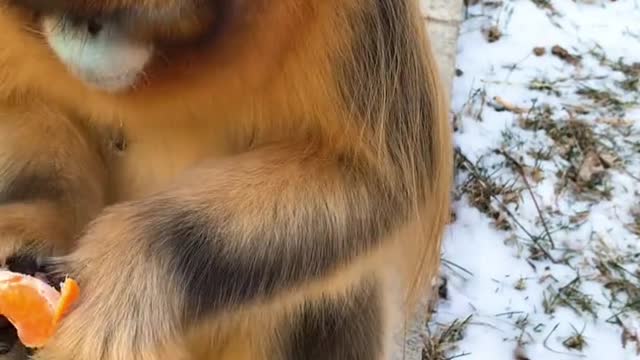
{"x": 234, "y": 233}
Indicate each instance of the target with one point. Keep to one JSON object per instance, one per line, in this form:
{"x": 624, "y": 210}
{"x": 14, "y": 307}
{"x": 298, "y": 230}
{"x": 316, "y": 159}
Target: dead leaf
{"x": 502, "y": 104}
{"x": 563, "y": 54}
{"x": 591, "y": 166}
{"x": 493, "y": 34}
{"x": 608, "y": 160}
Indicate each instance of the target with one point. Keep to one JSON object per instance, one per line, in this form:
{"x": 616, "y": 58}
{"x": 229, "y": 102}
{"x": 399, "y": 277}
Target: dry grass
{"x": 590, "y": 138}
{"x": 439, "y": 345}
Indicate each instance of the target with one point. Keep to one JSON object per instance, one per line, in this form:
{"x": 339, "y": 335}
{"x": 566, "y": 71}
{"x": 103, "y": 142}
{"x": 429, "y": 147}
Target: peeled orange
{"x": 33, "y": 307}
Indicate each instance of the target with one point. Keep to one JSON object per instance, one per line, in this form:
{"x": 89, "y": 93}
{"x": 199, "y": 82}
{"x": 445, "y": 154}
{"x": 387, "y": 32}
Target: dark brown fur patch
{"x": 80, "y": 8}
{"x": 337, "y": 329}
{"x": 290, "y": 249}
{"x": 32, "y": 186}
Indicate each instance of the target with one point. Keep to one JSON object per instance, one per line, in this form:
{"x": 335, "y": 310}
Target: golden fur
{"x": 283, "y": 173}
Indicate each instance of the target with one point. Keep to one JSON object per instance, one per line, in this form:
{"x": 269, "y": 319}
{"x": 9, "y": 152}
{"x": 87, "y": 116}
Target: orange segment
{"x": 70, "y": 292}
{"x": 33, "y": 307}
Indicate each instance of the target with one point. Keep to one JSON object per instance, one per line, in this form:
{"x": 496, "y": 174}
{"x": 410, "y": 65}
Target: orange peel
{"x": 34, "y": 307}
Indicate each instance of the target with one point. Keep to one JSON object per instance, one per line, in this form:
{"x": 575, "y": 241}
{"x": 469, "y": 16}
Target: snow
{"x": 494, "y": 269}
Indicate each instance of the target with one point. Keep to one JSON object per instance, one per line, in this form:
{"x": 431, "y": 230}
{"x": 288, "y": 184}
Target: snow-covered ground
{"x": 541, "y": 261}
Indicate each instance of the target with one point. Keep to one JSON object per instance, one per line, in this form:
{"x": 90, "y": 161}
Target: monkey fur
{"x": 226, "y": 179}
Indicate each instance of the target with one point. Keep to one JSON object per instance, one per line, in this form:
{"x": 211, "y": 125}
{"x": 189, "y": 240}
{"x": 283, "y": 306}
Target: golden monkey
{"x": 226, "y": 179}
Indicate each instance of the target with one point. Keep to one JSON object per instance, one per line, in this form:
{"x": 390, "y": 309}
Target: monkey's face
{"x": 111, "y": 45}
{"x": 126, "y": 47}
{"x": 144, "y": 55}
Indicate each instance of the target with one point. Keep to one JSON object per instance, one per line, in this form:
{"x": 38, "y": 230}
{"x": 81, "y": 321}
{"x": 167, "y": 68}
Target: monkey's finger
{"x": 23, "y": 263}
{"x": 8, "y": 336}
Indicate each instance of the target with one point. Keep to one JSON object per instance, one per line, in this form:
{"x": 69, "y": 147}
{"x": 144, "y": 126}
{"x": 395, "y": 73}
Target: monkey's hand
{"x": 29, "y": 232}
{"x": 51, "y": 184}
{"x": 129, "y": 302}
{"x": 235, "y": 232}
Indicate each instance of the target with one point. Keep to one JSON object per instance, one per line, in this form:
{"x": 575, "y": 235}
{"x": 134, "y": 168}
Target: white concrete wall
{"x": 442, "y": 18}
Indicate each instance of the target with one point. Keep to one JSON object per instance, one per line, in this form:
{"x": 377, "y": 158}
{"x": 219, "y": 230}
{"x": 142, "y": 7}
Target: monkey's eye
{"x": 146, "y": 20}
{"x": 79, "y": 9}
{"x": 185, "y": 19}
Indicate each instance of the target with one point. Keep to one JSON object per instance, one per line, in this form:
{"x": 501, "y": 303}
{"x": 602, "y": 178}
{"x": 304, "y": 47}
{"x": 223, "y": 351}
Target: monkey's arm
{"x": 51, "y": 182}
{"x": 237, "y": 231}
